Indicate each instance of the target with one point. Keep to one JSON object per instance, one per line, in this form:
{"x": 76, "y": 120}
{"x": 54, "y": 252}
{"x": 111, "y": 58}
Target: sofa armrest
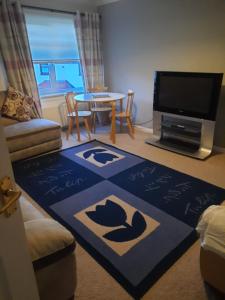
{"x": 29, "y": 212}
{"x": 7, "y": 121}
{"x": 211, "y": 228}
{"x": 48, "y": 241}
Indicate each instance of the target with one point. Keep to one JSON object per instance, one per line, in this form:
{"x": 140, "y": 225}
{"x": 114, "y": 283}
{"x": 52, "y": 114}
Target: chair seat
{"x": 122, "y": 115}
{"x": 81, "y": 113}
{"x": 101, "y": 109}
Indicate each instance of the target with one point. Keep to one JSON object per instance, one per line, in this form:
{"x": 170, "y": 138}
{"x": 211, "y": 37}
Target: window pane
{"x": 44, "y": 69}
{"x": 51, "y": 35}
{"x": 40, "y": 78}
{"x": 63, "y": 77}
{"x": 53, "y": 45}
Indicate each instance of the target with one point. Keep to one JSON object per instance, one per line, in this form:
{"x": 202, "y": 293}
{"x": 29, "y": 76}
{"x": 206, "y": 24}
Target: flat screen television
{"x": 187, "y": 93}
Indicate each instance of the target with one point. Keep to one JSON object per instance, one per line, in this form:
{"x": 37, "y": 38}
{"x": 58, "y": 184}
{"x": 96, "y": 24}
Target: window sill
{"x": 53, "y": 96}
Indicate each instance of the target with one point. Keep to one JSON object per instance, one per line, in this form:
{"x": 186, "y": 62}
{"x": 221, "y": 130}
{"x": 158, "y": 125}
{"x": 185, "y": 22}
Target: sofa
{"x": 51, "y": 247}
{"x": 29, "y": 138}
{"x": 211, "y": 228}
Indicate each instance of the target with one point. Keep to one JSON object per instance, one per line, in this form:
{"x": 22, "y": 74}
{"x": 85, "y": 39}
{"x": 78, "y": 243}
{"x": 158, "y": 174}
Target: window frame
{"x": 51, "y": 65}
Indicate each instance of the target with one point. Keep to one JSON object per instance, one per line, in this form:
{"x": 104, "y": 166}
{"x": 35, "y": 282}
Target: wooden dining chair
{"x": 98, "y": 107}
{"x": 127, "y": 114}
{"x": 74, "y": 114}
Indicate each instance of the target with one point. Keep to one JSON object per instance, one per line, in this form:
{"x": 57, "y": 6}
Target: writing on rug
{"x": 66, "y": 185}
{"x": 200, "y": 202}
{"x": 176, "y": 192}
{"x": 32, "y": 164}
{"x": 156, "y": 184}
{"x": 48, "y": 179}
{"x": 142, "y": 173}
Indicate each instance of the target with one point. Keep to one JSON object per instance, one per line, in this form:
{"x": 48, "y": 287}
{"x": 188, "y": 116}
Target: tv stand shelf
{"x": 179, "y": 144}
{"x": 188, "y": 136}
{"x": 182, "y": 129}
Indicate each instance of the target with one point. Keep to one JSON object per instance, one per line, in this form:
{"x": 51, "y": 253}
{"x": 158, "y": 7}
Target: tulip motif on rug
{"x": 117, "y": 223}
{"x": 100, "y": 156}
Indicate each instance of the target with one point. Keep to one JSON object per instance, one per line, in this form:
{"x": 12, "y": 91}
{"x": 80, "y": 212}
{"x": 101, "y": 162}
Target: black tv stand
{"x": 181, "y": 134}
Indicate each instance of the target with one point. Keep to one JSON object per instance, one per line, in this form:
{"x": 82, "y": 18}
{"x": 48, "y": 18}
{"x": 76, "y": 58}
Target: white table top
{"x": 99, "y": 97}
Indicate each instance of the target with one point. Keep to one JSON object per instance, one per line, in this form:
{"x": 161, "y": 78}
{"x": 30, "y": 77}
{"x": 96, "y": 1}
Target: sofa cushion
{"x": 29, "y": 212}
{"x": 17, "y": 105}
{"x": 36, "y": 149}
{"x": 28, "y": 134}
{"x": 48, "y": 241}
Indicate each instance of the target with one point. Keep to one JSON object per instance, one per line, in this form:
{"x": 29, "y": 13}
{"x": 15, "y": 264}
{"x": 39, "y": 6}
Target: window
{"x": 44, "y": 69}
{"x": 54, "y": 51}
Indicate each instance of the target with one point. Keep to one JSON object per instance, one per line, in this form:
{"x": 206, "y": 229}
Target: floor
{"x": 183, "y": 279}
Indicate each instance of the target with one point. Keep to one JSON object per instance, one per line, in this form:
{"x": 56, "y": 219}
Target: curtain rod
{"x": 52, "y": 10}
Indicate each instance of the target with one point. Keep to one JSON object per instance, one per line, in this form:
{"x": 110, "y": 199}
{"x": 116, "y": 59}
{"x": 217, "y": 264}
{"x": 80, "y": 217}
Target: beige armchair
{"x": 51, "y": 248}
{"x": 211, "y": 228}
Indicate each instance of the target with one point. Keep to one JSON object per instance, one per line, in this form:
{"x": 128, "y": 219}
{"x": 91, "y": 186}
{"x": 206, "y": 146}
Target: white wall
{"x": 142, "y": 36}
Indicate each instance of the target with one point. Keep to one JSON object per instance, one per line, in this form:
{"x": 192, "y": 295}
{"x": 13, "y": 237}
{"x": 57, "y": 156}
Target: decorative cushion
{"x": 17, "y": 105}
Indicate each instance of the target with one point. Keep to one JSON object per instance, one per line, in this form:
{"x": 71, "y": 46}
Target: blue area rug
{"x": 134, "y": 216}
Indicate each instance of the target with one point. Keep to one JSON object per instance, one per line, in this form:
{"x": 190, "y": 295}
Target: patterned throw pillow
{"x": 17, "y": 105}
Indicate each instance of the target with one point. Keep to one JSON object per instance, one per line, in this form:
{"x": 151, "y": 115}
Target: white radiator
{"x": 55, "y": 109}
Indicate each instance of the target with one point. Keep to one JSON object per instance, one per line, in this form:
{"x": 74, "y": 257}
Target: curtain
{"x": 90, "y": 48}
{"x": 16, "y": 52}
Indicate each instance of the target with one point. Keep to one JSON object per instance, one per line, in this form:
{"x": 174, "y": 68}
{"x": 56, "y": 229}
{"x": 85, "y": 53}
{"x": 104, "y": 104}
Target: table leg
{"x": 121, "y": 110}
{"x": 113, "y": 125}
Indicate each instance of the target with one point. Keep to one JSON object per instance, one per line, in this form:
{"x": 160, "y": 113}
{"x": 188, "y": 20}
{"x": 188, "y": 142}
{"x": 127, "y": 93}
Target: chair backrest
{"x": 130, "y": 100}
{"x": 98, "y": 89}
{"x": 71, "y": 103}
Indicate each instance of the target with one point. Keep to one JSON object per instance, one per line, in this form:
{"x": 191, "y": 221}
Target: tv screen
{"x": 186, "y": 93}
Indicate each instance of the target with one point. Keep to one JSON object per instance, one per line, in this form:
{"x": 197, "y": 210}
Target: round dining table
{"x": 105, "y": 97}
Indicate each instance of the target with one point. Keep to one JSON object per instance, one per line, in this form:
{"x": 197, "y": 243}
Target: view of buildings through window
{"x": 58, "y": 77}
{"x": 54, "y": 52}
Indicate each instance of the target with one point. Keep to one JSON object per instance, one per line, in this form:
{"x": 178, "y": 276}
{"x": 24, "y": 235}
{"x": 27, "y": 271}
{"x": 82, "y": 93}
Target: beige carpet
{"x": 183, "y": 280}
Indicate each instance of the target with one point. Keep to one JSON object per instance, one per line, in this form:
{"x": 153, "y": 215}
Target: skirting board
{"x": 150, "y": 130}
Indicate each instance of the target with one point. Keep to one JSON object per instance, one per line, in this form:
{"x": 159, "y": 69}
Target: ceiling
{"x": 103, "y": 2}
{"x": 68, "y": 5}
